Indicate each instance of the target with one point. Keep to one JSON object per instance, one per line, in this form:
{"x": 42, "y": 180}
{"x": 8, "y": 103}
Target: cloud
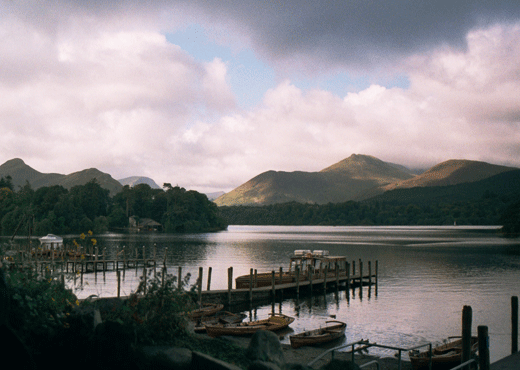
{"x": 100, "y": 86}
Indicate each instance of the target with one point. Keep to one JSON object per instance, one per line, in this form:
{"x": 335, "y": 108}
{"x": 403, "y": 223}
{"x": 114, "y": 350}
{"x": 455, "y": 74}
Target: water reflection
{"x": 426, "y": 276}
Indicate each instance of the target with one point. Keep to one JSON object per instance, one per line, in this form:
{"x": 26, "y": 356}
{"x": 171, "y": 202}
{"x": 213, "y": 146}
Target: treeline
{"x": 488, "y": 210}
{"x": 57, "y": 210}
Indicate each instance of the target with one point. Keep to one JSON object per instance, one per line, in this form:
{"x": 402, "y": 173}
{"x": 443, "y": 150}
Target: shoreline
{"x": 304, "y": 355}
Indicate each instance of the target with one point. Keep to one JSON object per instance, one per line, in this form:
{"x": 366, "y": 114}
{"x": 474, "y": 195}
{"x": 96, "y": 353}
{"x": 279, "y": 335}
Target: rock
{"x": 341, "y": 365}
{"x": 113, "y": 346}
{"x": 262, "y": 365}
{"x": 265, "y": 347}
{"x": 166, "y": 357}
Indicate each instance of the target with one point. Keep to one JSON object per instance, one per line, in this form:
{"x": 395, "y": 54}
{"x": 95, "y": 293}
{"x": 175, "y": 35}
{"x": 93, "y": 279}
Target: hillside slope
{"x": 21, "y": 173}
{"x": 346, "y": 180}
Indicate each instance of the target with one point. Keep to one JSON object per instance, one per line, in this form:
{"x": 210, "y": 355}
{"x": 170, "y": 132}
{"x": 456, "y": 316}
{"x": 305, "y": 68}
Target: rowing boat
{"x": 223, "y": 317}
{"x": 273, "y": 323}
{"x": 207, "y": 309}
{"x": 444, "y": 356}
{"x": 333, "y": 330}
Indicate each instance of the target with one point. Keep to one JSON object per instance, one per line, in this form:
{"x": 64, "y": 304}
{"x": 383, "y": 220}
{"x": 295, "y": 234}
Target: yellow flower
{"x": 94, "y": 241}
{"x": 89, "y": 233}
{"x": 82, "y": 236}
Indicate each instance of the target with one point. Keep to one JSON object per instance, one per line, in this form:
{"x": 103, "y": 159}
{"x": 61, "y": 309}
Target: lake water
{"x": 426, "y": 276}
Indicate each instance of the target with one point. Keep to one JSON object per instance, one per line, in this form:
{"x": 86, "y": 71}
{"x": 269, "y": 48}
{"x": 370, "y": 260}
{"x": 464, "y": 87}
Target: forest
{"x": 490, "y": 209}
{"x": 57, "y": 210}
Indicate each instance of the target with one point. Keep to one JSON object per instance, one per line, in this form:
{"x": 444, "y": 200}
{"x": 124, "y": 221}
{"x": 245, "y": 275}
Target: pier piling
{"x": 514, "y": 324}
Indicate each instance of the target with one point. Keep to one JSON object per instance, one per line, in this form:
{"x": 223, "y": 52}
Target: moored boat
{"x": 223, "y": 317}
{"x": 316, "y": 263}
{"x": 444, "y": 356}
{"x": 333, "y": 330}
{"x": 273, "y": 323}
{"x": 207, "y": 309}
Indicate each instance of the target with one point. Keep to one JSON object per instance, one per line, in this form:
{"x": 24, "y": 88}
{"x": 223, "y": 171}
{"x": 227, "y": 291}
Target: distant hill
{"x": 506, "y": 185}
{"x": 357, "y": 177}
{"x": 452, "y": 172}
{"x": 136, "y": 180}
{"x": 21, "y": 172}
{"x": 346, "y": 180}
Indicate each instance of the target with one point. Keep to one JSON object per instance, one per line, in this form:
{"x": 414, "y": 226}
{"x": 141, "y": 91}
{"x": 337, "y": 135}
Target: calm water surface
{"x": 426, "y": 276}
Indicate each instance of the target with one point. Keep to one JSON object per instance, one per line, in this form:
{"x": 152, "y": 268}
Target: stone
{"x": 340, "y": 365}
{"x": 265, "y": 346}
{"x": 166, "y": 357}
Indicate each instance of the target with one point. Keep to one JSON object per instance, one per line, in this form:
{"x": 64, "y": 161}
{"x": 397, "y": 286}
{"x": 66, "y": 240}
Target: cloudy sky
{"x": 206, "y": 94}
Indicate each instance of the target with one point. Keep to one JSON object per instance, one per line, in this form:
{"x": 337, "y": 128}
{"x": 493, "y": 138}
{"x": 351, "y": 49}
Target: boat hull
{"x": 273, "y": 323}
{"x": 334, "y": 330}
{"x": 445, "y": 356}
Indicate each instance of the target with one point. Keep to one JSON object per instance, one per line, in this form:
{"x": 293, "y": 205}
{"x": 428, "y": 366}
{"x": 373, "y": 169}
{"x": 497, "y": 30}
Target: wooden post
{"x": 336, "y": 268}
{"x": 311, "y": 272}
{"x": 165, "y": 253}
{"x": 250, "y": 286}
{"x": 273, "y": 282}
{"x": 200, "y": 286}
{"x": 514, "y": 324}
{"x": 483, "y": 348}
{"x": 281, "y": 274}
{"x": 348, "y": 279}
{"x": 325, "y": 279}
{"x": 369, "y": 273}
{"x": 230, "y": 283}
{"x": 256, "y": 278}
{"x": 353, "y": 268}
{"x": 209, "y": 277}
{"x": 297, "y": 268}
{"x": 179, "y": 278}
{"x": 144, "y": 278}
{"x": 118, "y": 284}
{"x": 467, "y": 314}
{"x": 360, "y": 273}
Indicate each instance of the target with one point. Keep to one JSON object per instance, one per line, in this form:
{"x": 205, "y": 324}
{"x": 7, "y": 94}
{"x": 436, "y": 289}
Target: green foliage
{"x": 511, "y": 220}
{"x": 157, "y": 311}
{"x": 39, "y": 307}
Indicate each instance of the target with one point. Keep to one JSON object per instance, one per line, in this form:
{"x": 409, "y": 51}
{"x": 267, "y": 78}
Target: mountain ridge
{"x": 357, "y": 178}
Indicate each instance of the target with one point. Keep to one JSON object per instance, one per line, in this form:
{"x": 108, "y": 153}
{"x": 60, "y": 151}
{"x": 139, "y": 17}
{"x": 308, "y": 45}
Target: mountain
{"x": 20, "y": 173}
{"x": 452, "y": 172}
{"x": 215, "y": 195}
{"x": 136, "y": 180}
{"x": 349, "y": 179}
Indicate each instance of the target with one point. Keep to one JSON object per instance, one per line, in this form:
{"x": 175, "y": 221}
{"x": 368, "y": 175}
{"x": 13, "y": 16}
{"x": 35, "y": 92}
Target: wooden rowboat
{"x": 445, "y": 356}
{"x": 207, "y": 309}
{"x": 273, "y": 323}
{"x": 333, "y": 330}
{"x": 222, "y": 317}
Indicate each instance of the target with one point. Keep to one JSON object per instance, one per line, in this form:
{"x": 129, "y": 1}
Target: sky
{"x": 208, "y": 94}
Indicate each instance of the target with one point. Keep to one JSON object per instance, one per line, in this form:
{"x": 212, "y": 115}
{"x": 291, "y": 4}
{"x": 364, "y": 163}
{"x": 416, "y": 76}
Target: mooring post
{"x": 514, "y": 324}
{"x": 297, "y": 270}
{"x": 281, "y": 274}
{"x": 179, "y": 278}
{"x": 353, "y": 268}
{"x": 273, "y": 282}
{"x": 467, "y": 314}
{"x": 230, "y": 283}
{"x": 250, "y": 286}
{"x": 336, "y": 268}
{"x": 369, "y": 273}
{"x": 311, "y": 273}
{"x": 348, "y": 279}
{"x": 209, "y": 277}
{"x": 118, "y": 284}
{"x": 256, "y": 278}
{"x": 325, "y": 280}
{"x": 360, "y": 273}
{"x": 201, "y": 271}
{"x": 144, "y": 279}
{"x": 483, "y": 348}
